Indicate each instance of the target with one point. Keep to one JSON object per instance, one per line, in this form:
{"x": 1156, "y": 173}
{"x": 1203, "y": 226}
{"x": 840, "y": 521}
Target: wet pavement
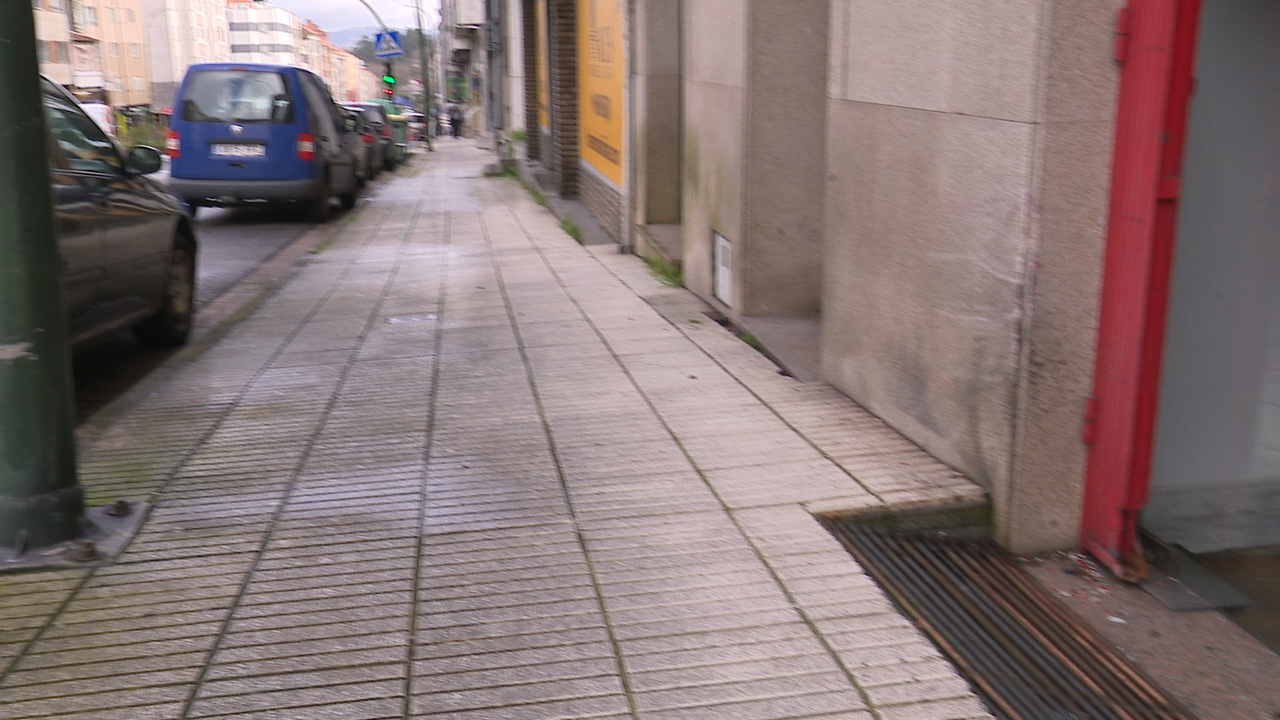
{"x": 457, "y": 465}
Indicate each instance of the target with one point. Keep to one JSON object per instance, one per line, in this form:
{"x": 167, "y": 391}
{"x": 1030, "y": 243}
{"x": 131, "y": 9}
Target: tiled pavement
{"x": 460, "y": 466}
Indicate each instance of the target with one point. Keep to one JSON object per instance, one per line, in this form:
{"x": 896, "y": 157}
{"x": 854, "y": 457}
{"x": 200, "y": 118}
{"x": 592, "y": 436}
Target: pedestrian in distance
{"x": 455, "y": 120}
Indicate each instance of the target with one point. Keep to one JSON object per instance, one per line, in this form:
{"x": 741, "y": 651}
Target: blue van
{"x": 243, "y": 133}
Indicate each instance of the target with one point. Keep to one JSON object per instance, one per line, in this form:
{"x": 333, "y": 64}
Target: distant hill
{"x": 349, "y": 37}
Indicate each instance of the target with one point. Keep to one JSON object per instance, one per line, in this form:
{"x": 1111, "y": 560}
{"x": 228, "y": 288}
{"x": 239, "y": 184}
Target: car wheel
{"x": 348, "y": 199}
{"x": 318, "y": 210}
{"x": 171, "y": 324}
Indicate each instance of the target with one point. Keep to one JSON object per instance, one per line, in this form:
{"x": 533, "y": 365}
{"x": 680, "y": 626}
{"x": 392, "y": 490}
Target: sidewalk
{"x": 460, "y": 466}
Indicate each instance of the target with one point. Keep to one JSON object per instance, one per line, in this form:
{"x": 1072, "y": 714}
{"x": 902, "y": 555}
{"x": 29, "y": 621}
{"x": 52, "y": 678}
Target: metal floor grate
{"x": 1021, "y": 649}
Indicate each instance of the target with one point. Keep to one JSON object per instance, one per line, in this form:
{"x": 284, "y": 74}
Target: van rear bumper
{"x": 236, "y": 192}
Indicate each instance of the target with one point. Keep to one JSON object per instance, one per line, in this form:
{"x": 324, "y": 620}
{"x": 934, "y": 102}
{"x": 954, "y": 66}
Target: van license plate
{"x": 238, "y": 150}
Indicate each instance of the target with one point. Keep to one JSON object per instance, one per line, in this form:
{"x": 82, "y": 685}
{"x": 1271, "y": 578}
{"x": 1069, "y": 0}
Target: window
{"x": 111, "y": 15}
{"x": 81, "y": 144}
{"x": 37, "y": 4}
{"x": 55, "y": 5}
{"x": 64, "y": 55}
{"x": 90, "y": 15}
{"x": 237, "y": 96}
{"x": 42, "y": 51}
{"x": 137, "y": 82}
{"x": 128, "y": 15}
{"x": 135, "y": 49}
{"x": 114, "y": 49}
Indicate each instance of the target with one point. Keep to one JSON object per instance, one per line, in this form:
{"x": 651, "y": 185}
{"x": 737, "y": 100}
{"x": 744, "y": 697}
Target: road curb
{"x": 214, "y": 321}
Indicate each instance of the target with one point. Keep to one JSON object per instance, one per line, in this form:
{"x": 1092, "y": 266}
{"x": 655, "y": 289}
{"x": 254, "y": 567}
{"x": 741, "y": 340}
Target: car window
{"x": 81, "y": 143}
{"x": 326, "y": 102}
{"x": 321, "y": 108}
{"x": 239, "y": 96}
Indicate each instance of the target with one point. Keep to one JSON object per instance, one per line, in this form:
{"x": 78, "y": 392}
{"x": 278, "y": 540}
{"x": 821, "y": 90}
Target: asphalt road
{"x": 231, "y": 244}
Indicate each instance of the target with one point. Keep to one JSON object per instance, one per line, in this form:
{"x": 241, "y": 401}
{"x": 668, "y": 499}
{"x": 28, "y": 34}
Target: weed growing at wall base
{"x": 570, "y": 227}
{"x": 538, "y": 197}
{"x": 668, "y": 273}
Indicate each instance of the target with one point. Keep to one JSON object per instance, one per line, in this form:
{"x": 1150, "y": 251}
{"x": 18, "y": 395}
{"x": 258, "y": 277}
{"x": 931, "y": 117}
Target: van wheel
{"x": 171, "y": 324}
{"x": 348, "y": 199}
{"x": 318, "y": 210}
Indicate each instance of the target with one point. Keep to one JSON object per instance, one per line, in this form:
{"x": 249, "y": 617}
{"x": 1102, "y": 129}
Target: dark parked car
{"x": 370, "y": 130}
{"x": 127, "y": 245}
{"x": 378, "y": 117}
{"x": 245, "y": 132}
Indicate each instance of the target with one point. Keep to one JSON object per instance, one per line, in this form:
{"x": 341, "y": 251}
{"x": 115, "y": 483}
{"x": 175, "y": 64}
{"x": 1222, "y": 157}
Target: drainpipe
{"x": 41, "y": 502}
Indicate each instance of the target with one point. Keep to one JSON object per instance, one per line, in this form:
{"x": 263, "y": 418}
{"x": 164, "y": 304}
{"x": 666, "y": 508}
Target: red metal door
{"x": 1156, "y": 43}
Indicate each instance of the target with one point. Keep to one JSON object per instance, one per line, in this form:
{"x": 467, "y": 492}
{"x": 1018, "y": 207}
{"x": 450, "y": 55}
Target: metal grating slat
{"x": 1024, "y": 653}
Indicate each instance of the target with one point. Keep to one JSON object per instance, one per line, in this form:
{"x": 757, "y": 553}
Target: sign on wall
{"x": 544, "y": 63}
{"x": 601, "y": 75}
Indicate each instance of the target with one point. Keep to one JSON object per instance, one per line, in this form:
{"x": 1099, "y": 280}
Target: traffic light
{"x": 388, "y": 81}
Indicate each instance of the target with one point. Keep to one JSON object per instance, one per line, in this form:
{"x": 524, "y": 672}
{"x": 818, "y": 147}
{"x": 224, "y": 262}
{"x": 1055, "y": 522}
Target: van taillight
{"x": 173, "y": 144}
{"x": 367, "y": 137}
{"x": 386, "y": 131}
{"x": 306, "y": 147}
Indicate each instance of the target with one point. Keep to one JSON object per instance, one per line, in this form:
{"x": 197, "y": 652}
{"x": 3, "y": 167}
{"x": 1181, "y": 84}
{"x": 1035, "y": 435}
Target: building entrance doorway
{"x": 1215, "y": 482}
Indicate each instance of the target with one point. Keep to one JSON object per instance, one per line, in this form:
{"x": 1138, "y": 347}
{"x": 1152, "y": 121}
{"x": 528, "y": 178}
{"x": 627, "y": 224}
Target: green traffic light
{"x": 388, "y": 79}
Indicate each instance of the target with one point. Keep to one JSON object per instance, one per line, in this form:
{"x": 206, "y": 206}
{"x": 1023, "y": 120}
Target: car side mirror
{"x": 144, "y": 160}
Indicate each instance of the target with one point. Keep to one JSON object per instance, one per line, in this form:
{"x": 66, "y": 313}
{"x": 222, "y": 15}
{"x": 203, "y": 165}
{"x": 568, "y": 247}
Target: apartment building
{"x": 179, "y": 33}
{"x": 118, "y": 28}
{"x": 262, "y": 33}
{"x": 53, "y": 39}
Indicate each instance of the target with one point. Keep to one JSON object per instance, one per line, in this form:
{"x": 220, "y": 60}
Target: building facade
{"x": 263, "y": 33}
{"x": 968, "y": 219}
{"x": 182, "y": 32}
{"x": 464, "y": 56}
{"x": 120, "y": 29}
{"x": 53, "y": 40}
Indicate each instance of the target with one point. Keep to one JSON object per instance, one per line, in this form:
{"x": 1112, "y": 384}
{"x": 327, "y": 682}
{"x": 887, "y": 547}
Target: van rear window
{"x": 237, "y": 96}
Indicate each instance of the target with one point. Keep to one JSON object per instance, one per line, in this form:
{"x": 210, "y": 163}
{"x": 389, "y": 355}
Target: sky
{"x": 334, "y": 15}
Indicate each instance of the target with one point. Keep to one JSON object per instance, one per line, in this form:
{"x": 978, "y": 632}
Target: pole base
{"x": 107, "y": 530}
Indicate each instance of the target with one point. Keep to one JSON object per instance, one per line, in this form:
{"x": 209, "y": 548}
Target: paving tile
{"x": 388, "y": 691}
{"x": 300, "y": 679}
{"x": 831, "y": 704}
{"x": 87, "y": 703}
{"x": 594, "y": 694}
{"x": 307, "y": 662}
{"x": 717, "y": 695}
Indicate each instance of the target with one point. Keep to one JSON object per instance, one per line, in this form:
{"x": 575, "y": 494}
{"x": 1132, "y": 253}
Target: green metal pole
{"x": 428, "y": 114}
{"x": 41, "y": 502}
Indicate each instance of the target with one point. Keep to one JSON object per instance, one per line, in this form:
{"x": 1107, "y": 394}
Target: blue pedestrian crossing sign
{"x": 387, "y": 44}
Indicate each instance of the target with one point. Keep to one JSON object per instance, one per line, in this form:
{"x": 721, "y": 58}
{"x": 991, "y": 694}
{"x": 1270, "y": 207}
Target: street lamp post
{"x": 41, "y": 502}
{"x": 427, "y": 111}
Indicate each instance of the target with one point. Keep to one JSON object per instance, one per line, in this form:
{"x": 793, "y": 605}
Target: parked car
{"x": 245, "y": 133}
{"x": 377, "y": 114}
{"x": 364, "y": 164}
{"x": 127, "y": 245}
{"x": 103, "y": 115}
{"x": 369, "y": 127}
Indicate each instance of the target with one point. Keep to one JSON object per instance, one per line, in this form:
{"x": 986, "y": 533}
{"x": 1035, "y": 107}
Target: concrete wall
{"x": 968, "y": 156}
{"x": 781, "y": 270}
{"x": 754, "y": 89}
{"x": 714, "y": 50}
{"x": 655, "y": 87}
{"x": 513, "y": 37}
